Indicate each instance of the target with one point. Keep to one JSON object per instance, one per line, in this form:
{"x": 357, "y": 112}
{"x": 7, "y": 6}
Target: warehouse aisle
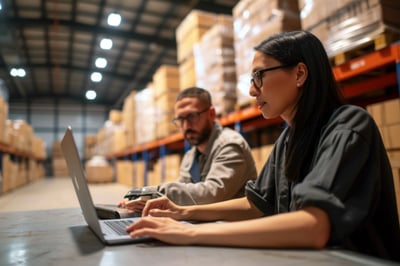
{"x": 51, "y": 193}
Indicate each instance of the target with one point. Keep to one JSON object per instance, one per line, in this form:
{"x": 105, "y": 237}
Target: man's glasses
{"x": 257, "y": 76}
{"x": 190, "y": 118}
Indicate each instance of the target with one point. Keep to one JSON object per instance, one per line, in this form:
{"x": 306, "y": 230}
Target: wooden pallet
{"x": 378, "y": 42}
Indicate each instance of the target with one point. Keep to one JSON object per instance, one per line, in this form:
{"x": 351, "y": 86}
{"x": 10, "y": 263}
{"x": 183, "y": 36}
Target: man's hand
{"x": 136, "y": 205}
{"x": 164, "y": 207}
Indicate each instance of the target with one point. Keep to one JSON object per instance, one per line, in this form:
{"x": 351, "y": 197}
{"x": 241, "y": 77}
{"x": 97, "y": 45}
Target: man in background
{"x": 218, "y": 165}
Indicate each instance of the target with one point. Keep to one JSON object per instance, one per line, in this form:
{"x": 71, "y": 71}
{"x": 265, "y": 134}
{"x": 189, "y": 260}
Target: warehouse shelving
{"x": 356, "y": 77}
{"x": 26, "y": 163}
{"x": 13, "y": 151}
{"x": 247, "y": 119}
{"x": 364, "y": 67}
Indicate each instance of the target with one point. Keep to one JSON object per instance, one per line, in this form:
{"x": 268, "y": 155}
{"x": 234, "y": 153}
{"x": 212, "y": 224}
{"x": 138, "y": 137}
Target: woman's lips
{"x": 260, "y": 104}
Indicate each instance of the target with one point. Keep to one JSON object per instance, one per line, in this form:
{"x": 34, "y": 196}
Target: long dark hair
{"x": 319, "y": 95}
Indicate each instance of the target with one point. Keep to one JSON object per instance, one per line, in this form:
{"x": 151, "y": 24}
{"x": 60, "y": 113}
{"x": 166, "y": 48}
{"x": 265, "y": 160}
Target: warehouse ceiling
{"x": 51, "y": 46}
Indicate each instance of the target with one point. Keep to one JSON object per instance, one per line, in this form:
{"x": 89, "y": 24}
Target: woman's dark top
{"x": 350, "y": 178}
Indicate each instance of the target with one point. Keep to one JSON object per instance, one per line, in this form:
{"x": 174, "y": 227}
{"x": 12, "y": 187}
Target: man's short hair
{"x": 195, "y": 92}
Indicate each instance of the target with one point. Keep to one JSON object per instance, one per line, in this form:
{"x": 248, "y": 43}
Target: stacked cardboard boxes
{"x": 21, "y": 134}
{"x": 35, "y": 170}
{"x": 165, "y": 169}
{"x": 215, "y": 64}
{"x": 343, "y": 25}
{"x": 19, "y": 171}
{"x": 129, "y": 118}
{"x": 117, "y": 139}
{"x": 112, "y": 137}
{"x": 140, "y": 170}
{"x": 260, "y": 155}
{"x": 9, "y": 172}
{"x": 125, "y": 173}
{"x": 155, "y": 173}
{"x": 99, "y": 170}
{"x": 24, "y": 163}
{"x": 59, "y": 165}
{"x": 101, "y": 148}
{"x": 115, "y": 132}
{"x": 387, "y": 116}
{"x": 254, "y": 21}
{"x": 90, "y": 146}
{"x": 38, "y": 148}
{"x": 130, "y": 173}
{"x": 166, "y": 89}
{"x": 172, "y": 163}
{"x": 190, "y": 30}
{"x": 145, "y": 122}
{"x": 3, "y": 118}
{"x": 189, "y": 33}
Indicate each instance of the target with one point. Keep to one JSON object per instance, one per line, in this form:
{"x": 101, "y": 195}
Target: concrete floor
{"x": 57, "y": 192}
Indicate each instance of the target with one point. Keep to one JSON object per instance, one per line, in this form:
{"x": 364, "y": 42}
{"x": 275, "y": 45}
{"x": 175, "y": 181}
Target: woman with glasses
{"x": 327, "y": 182}
{"x": 217, "y": 166}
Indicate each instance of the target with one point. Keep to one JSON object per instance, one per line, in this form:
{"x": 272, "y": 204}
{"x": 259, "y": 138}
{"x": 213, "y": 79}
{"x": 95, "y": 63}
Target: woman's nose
{"x": 253, "y": 91}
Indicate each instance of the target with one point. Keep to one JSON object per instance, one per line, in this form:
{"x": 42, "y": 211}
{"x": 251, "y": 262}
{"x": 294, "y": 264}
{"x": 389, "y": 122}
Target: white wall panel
{"x": 17, "y": 113}
{"x": 71, "y": 118}
{"x": 95, "y": 119}
{"x": 42, "y": 118}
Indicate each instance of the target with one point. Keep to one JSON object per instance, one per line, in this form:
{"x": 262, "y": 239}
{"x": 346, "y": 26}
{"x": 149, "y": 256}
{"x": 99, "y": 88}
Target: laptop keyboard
{"x": 118, "y": 226}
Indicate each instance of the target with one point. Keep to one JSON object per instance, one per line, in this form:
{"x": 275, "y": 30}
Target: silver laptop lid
{"x": 78, "y": 176}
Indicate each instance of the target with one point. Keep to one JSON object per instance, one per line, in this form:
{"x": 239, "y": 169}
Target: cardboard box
{"x": 393, "y": 135}
{"x": 376, "y": 111}
{"x": 254, "y": 21}
{"x": 187, "y": 73}
{"x": 391, "y": 112}
{"x": 396, "y": 181}
{"x": 349, "y": 24}
{"x": 165, "y": 80}
{"x": 172, "y": 167}
{"x": 99, "y": 173}
{"x": 190, "y": 30}
{"x": 140, "y": 167}
{"x": 60, "y": 168}
{"x": 125, "y": 172}
{"x": 115, "y": 116}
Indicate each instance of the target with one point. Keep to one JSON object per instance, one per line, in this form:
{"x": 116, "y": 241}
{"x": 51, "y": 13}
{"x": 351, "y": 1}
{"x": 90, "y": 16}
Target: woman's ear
{"x": 301, "y": 74}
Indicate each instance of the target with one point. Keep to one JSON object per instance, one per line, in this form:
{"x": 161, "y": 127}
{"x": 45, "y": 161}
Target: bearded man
{"x": 218, "y": 164}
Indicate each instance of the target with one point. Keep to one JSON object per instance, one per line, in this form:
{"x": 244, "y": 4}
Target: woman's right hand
{"x": 163, "y": 207}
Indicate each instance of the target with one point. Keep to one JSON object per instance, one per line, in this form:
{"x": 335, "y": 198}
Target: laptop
{"x": 110, "y": 232}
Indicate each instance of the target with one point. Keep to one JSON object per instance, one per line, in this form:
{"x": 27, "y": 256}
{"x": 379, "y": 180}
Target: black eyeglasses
{"x": 190, "y": 118}
{"x": 257, "y": 76}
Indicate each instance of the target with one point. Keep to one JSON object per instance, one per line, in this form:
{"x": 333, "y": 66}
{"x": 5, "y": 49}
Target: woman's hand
{"x": 163, "y": 207}
{"x": 163, "y": 229}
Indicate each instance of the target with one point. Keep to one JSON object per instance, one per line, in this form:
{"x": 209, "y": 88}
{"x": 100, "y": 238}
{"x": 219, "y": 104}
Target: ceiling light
{"x": 106, "y": 44}
{"x": 21, "y": 72}
{"x": 18, "y": 72}
{"x": 101, "y": 62}
{"x": 96, "y": 77}
{"x": 14, "y": 72}
{"x": 90, "y": 94}
{"x": 114, "y": 19}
